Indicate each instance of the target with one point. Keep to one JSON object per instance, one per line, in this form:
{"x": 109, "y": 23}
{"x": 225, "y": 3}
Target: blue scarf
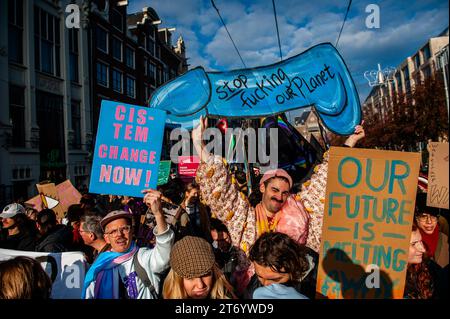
{"x": 102, "y": 273}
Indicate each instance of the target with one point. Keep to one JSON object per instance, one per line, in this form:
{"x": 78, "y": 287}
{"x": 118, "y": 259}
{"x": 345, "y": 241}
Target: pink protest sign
{"x": 187, "y": 167}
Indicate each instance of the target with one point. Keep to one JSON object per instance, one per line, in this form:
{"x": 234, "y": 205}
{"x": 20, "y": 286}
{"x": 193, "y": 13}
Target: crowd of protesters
{"x": 204, "y": 239}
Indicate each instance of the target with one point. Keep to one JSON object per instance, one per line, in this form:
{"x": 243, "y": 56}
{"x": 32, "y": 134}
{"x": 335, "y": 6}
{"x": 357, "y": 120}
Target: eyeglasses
{"x": 424, "y": 218}
{"x": 115, "y": 232}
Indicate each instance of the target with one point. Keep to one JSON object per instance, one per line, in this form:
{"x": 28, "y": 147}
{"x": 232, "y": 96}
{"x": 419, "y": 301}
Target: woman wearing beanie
{"x": 194, "y": 273}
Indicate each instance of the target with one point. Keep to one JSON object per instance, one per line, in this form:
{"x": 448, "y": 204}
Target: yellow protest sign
{"x": 367, "y": 225}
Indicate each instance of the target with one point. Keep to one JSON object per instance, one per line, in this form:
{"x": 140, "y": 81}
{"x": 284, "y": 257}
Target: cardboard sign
{"x": 127, "y": 149}
{"x": 369, "y": 209}
{"x": 66, "y": 270}
{"x": 50, "y": 198}
{"x": 163, "y": 172}
{"x": 437, "y": 194}
{"x": 67, "y": 194}
{"x": 187, "y": 167}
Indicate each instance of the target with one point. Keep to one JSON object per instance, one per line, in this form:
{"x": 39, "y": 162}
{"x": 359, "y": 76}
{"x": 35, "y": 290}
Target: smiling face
{"x": 268, "y": 276}
{"x": 416, "y": 248}
{"x": 118, "y": 235}
{"x": 198, "y": 288}
{"x": 275, "y": 194}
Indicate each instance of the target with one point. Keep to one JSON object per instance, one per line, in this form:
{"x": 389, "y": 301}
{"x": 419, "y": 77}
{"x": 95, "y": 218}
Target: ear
{"x": 106, "y": 238}
{"x": 262, "y": 188}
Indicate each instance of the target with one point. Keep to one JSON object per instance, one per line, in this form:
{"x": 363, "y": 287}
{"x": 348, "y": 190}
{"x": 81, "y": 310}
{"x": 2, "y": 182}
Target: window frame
{"x": 121, "y": 80}
{"x": 107, "y": 73}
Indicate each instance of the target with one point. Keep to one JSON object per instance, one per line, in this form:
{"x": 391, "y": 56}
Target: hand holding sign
{"x": 152, "y": 199}
{"x": 127, "y": 149}
{"x": 357, "y": 136}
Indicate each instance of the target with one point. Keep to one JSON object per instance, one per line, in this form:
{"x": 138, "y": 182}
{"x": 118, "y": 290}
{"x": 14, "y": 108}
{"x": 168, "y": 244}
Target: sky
{"x": 404, "y": 27}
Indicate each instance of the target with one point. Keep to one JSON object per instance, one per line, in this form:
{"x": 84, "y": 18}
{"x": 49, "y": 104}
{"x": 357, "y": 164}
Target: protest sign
{"x": 187, "y": 167}
{"x": 437, "y": 194}
{"x": 127, "y": 149}
{"x": 50, "y": 198}
{"x": 317, "y": 77}
{"x": 163, "y": 172}
{"x": 67, "y": 194}
{"x": 369, "y": 209}
{"x": 66, "y": 270}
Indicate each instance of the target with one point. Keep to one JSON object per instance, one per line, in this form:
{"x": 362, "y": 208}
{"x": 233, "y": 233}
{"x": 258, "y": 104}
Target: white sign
{"x": 66, "y": 270}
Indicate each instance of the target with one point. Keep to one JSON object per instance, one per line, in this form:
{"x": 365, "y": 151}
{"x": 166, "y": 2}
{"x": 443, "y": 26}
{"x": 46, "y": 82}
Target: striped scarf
{"x": 101, "y": 272}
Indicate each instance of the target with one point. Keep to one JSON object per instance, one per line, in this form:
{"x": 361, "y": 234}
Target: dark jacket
{"x": 20, "y": 241}
{"x": 57, "y": 240}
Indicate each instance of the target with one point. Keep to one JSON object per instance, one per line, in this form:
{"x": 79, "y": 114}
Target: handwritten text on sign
{"x": 437, "y": 195}
{"x": 127, "y": 149}
{"x": 369, "y": 208}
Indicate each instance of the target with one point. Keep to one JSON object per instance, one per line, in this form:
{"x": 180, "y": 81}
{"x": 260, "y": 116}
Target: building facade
{"x": 412, "y": 71}
{"x": 53, "y": 78}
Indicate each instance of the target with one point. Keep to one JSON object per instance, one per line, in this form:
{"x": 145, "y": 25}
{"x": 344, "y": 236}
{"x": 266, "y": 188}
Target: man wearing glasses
{"x": 127, "y": 271}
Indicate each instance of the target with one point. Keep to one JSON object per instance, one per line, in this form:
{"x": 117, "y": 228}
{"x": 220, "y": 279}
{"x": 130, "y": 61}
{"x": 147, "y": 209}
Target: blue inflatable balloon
{"x": 317, "y": 77}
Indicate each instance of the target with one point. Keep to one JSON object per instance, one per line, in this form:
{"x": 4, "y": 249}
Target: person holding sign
{"x": 277, "y": 208}
{"x": 127, "y": 271}
{"x": 246, "y": 223}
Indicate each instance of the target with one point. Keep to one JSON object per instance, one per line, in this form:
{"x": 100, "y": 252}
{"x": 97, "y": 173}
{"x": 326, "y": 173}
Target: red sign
{"x": 187, "y": 167}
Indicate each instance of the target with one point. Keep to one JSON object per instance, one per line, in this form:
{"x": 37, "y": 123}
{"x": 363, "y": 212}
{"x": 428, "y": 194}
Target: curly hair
{"x": 281, "y": 253}
{"x": 419, "y": 281}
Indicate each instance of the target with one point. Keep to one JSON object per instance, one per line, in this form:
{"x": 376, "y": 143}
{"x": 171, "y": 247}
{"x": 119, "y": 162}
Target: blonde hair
{"x": 173, "y": 287}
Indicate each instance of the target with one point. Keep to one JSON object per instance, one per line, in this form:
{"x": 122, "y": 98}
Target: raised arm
{"x": 312, "y": 194}
{"x": 220, "y": 192}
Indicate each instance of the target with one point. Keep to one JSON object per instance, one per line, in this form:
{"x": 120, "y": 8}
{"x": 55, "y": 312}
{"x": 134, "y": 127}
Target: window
{"x": 407, "y": 81}
{"x": 165, "y": 74}
{"x": 151, "y": 70}
{"x": 102, "y": 74}
{"x": 131, "y": 87}
{"x": 159, "y": 75}
{"x": 76, "y": 125}
{"x": 73, "y": 55}
{"x": 417, "y": 60}
{"x": 116, "y": 19}
{"x": 117, "y": 80}
{"x": 129, "y": 57}
{"x": 145, "y": 66}
{"x": 426, "y": 53}
{"x": 47, "y": 42}
{"x": 17, "y": 115}
{"x": 427, "y": 72}
{"x": 398, "y": 78}
{"x": 15, "y": 31}
{"x": 101, "y": 37}
{"x": 117, "y": 48}
{"x": 150, "y": 45}
{"x": 158, "y": 51}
